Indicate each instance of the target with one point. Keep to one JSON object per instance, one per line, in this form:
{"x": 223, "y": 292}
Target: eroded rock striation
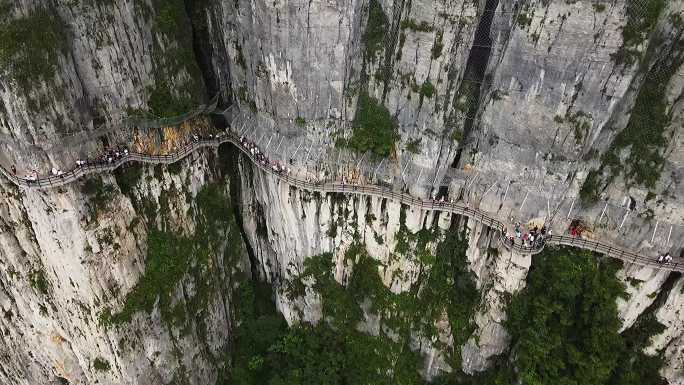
{"x": 552, "y": 109}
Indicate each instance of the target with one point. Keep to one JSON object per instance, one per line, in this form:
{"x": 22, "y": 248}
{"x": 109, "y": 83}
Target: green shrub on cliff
{"x": 99, "y": 193}
{"x": 163, "y": 102}
{"x": 637, "y": 152}
{"x": 427, "y": 89}
{"x": 31, "y": 46}
{"x": 564, "y": 327}
{"x": 100, "y": 364}
{"x": 375, "y": 29}
{"x": 172, "y": 257}
{"x": 374, "y": 128}
{"x": 642, "y": 17}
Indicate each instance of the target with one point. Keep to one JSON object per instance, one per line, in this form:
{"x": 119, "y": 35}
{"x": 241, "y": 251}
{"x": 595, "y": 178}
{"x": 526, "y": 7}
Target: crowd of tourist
{"x": 110, "y": 155}
{"x": 113, "y": 154}
{"x": 664, "y": 258}
{"x": 261, "y": 158}
{"x": 534, "y": 238}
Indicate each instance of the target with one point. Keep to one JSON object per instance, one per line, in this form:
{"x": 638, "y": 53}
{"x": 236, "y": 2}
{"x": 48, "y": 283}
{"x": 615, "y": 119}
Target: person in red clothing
{"x": 573, "y": 231}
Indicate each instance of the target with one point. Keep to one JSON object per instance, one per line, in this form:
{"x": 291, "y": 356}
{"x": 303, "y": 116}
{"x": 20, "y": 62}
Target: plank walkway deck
{"x": 334, "y": 187}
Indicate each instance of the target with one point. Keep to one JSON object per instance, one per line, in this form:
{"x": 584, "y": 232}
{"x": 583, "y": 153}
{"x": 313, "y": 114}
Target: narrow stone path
{"x": 334, "y": 187}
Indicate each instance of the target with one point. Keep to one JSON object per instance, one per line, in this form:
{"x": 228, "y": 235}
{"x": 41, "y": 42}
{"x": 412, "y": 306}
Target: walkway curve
{"x": 335, "y": 187}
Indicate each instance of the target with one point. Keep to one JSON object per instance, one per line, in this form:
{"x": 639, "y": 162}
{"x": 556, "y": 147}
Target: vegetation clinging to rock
{"x": 31, "y": 46}
{"x": 100, "y": 364}
{"x": 564, "y": 327}
{"x": 638, "y": 150}
{"x": 171, "y": 256}
{"x": 376, "y": 29}
{"x": 642, "y": 17}
{"x": 374, "y": 128}
{"x": 427, "y": 89}
{"x": 335, "y": 351}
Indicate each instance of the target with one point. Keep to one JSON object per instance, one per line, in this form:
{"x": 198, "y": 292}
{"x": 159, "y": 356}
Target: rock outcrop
{"x": 529, "y": 109}
{"x": 70, "y": 255}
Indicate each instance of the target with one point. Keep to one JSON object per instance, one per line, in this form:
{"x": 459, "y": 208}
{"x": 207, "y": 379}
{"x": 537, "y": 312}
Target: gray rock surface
{"x": 552, "y": 100}
{"x": 87, "y": 264}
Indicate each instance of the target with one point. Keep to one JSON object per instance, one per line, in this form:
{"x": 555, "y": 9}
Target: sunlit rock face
{"x": 528, "y": 97}
{"x": 531, "y": 117}
{"x": 68, "y": 257}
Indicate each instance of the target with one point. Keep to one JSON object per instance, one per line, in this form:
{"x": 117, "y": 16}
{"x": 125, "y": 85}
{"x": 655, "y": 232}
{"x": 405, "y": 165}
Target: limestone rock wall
{"x": 62, "y": 264}
{"x": 110, "y": 61}
{"x": 286, "y": 225}
{"x": 529, "y": 95}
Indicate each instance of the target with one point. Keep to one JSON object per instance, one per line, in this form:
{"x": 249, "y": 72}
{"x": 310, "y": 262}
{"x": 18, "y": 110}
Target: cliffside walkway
{"x": 333, "y": 187}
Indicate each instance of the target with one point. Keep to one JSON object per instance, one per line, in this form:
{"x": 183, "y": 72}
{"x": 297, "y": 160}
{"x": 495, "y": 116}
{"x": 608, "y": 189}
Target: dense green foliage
{"x": 164, "y": 103}
{"x": 335, "y": 351}
{"x": 172, "y": 256}
{"x": 270, "y": 354}
{"x": 259, "y": 327}
{"x": 170, "y": 15}
{"x": 31, "y": 45}
{"x": 376, "y": 28}
{"x": 128, "y": 177}
{"x": 635, "y": 367}
{"x": 374, "y": 128}
{"x": 99, "y": 192}
{"x": 427, "y": 89}
{"x": 173, "y": 55}
{"x": 100, "y": 364}
{"x": 564, "y": 327}
{"x": 642, "y": 17}
{"x": 167, "y": 261}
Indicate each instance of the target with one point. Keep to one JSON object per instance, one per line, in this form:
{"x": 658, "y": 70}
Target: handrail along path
{"x": 336, "y": 187}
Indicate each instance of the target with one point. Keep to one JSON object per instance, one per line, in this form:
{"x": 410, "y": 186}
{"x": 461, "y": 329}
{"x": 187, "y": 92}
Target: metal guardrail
{"x": 336, "y": 187}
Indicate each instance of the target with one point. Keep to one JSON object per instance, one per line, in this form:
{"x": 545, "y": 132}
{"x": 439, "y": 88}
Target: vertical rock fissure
{"x": 202, "y": 48}
{"x": 235, "y": 197}
{"x": 390, "y": 46}
{"x": 473, "y": 77}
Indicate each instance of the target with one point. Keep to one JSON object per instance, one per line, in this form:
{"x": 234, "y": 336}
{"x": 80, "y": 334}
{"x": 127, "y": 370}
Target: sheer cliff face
{"x": 533, "y": 93}
{"x": 79, "y": 66}
{"x": 285, "y": 226}
{"x": 70, "y": 259}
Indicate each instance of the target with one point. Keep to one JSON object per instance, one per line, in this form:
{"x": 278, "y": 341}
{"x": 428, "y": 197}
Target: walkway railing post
{"x": 381, "y": 191}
